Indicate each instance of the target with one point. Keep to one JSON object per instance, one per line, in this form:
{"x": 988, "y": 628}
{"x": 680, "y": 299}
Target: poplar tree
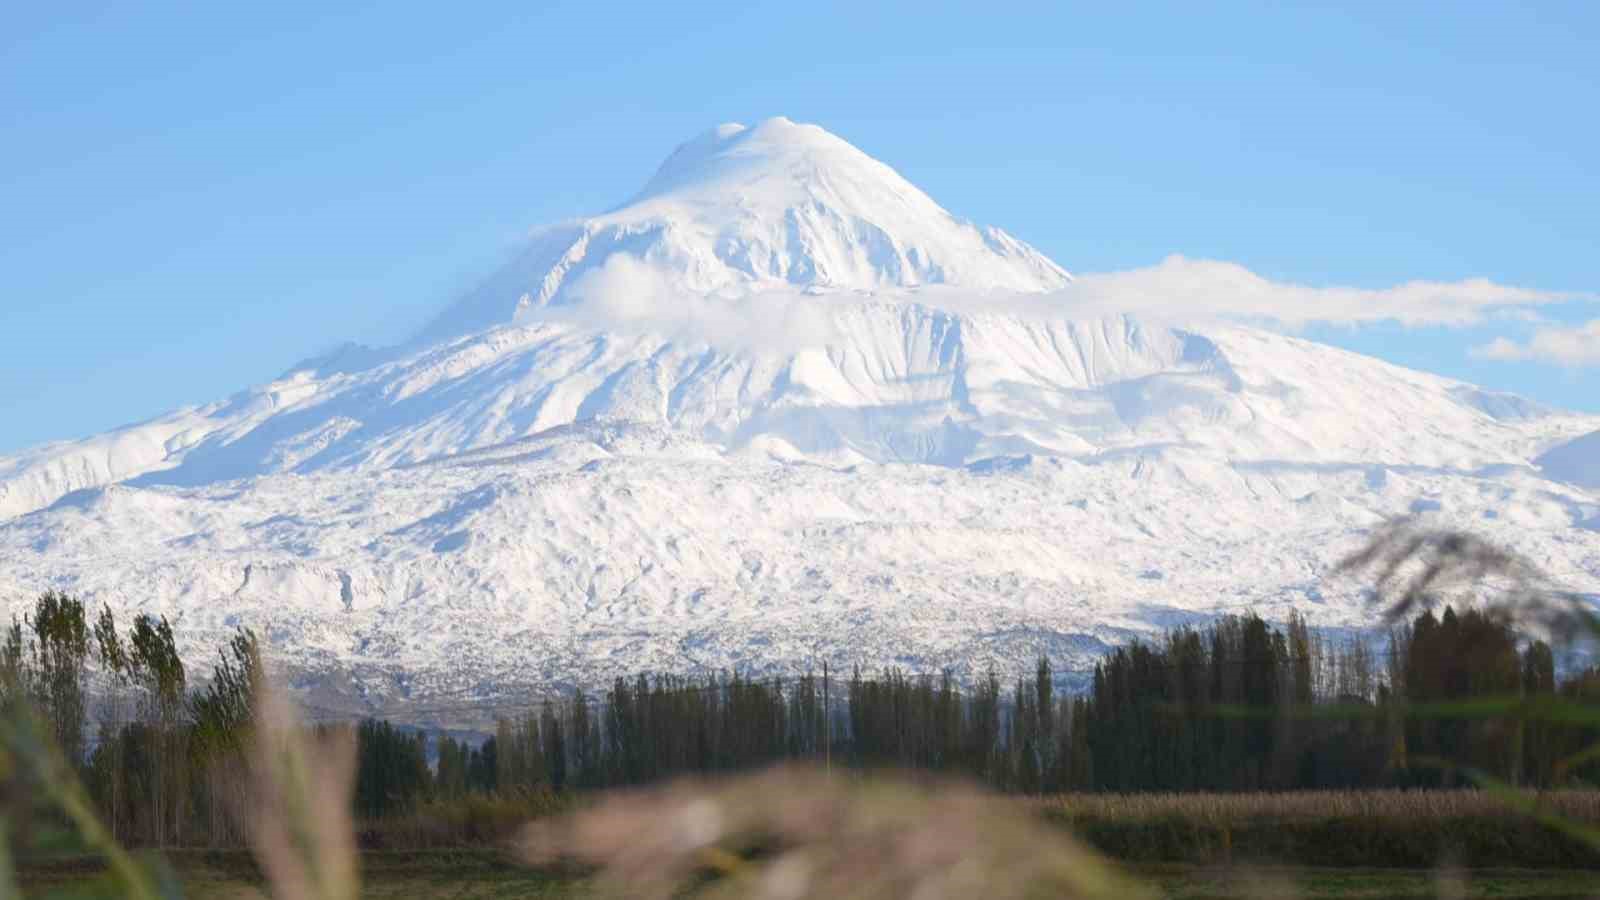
{"x": 60, "y": 668}
{"x": 158, "y": 672}
{"x": 222, "y": 715}
{"x": 110, "y": 756}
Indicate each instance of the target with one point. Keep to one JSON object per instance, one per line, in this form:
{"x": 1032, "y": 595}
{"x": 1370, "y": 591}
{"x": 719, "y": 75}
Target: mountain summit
{"x": 743, "y": 209}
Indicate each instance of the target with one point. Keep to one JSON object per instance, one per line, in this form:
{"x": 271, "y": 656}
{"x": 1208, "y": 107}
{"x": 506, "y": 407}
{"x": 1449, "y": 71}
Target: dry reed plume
{"x": 299, "y": 805}
{"x": 794, "y": 833}
{"x": 1413, "y": 568}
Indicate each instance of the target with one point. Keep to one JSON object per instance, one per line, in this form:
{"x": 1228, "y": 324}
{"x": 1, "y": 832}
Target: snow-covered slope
{"x": 898, "y": 380}
{"x": 1577, "y": 461}
{"x": 779, "y": 407}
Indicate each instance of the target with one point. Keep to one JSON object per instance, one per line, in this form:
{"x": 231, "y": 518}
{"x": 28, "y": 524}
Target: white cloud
{"x": 628, "y": 295}
{"x": 1184, "y": 287}
{"x": 1196, "y": 290}
{"x": 1577, "y": 346}
{"x": 633, "y": 295}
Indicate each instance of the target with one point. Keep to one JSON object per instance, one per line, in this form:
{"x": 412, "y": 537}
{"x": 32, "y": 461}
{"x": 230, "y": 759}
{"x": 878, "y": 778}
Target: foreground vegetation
{"x": 234, "y": 875}
{"x": 1368, "y": 828}
{"x": 490, "y": 875}
{"x": 232, "y": 760}
{"x": 1400, "y": 829}
{"x": 1415, "y": 806}
{"x": 1236, "y": 706}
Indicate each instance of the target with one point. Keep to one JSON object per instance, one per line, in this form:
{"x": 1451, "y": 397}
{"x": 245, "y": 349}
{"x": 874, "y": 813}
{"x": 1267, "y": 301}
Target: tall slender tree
{"x": 61, "y": 665}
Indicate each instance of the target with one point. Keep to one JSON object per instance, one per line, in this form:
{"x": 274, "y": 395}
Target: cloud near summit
{"x": 1180, "y": 287}
{"x": 628, "y": 294}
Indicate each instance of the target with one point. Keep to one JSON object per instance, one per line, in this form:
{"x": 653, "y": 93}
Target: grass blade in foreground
{"x": 26, "y": 748}
{"x": 301, "y": 827}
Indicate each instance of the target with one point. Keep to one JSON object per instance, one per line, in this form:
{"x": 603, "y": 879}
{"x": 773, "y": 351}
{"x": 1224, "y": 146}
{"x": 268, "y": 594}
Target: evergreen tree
{"x": 483, "y": 767}
{"x": 1540, "y": 739}
{"x": 392, "y": 771}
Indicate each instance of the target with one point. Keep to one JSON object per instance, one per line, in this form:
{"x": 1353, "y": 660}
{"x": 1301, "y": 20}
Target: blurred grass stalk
{"x": 1417, "y": 568}
{"x": 29, "y": 757}
{"x": 299, "y": 805}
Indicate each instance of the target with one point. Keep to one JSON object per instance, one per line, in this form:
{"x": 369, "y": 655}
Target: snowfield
{"x": 780, "y": 408}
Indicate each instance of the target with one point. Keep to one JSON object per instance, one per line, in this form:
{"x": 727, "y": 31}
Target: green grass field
{"x": 1197, "y": 883}
{"x": 464, "y": 874}
{"x": 480, "y": 875}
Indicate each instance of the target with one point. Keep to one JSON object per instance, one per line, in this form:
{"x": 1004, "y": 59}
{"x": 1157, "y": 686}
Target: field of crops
{"x": 1415, "y": 806}
{"x": 1395, "y": 829}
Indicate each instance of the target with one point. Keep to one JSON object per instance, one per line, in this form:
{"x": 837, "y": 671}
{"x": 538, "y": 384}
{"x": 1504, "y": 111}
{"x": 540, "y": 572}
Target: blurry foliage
{"x": 299, "y": 805}
{"x": 38, "y": 778}
{"x": 796, "y": 833}
{"x": 1414, "y": 569}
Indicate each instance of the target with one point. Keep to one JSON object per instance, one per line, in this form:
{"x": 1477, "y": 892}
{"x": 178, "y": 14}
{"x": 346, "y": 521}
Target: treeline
{"x": 1239, "y": 705}
{"x": 1236, "y": 705}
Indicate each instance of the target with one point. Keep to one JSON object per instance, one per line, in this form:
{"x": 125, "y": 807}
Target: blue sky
{"x": 193, "y": 197}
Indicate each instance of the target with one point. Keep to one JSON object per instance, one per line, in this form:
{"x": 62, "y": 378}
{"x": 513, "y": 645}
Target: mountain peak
{"x": 745, "y": 209}
{"x": 774, "y": 148}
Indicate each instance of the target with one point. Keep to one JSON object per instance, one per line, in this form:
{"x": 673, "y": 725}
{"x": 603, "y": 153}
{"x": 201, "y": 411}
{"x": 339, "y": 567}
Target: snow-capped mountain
{"x": 777, "y": 205}
{"x": 779, "y": 407}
